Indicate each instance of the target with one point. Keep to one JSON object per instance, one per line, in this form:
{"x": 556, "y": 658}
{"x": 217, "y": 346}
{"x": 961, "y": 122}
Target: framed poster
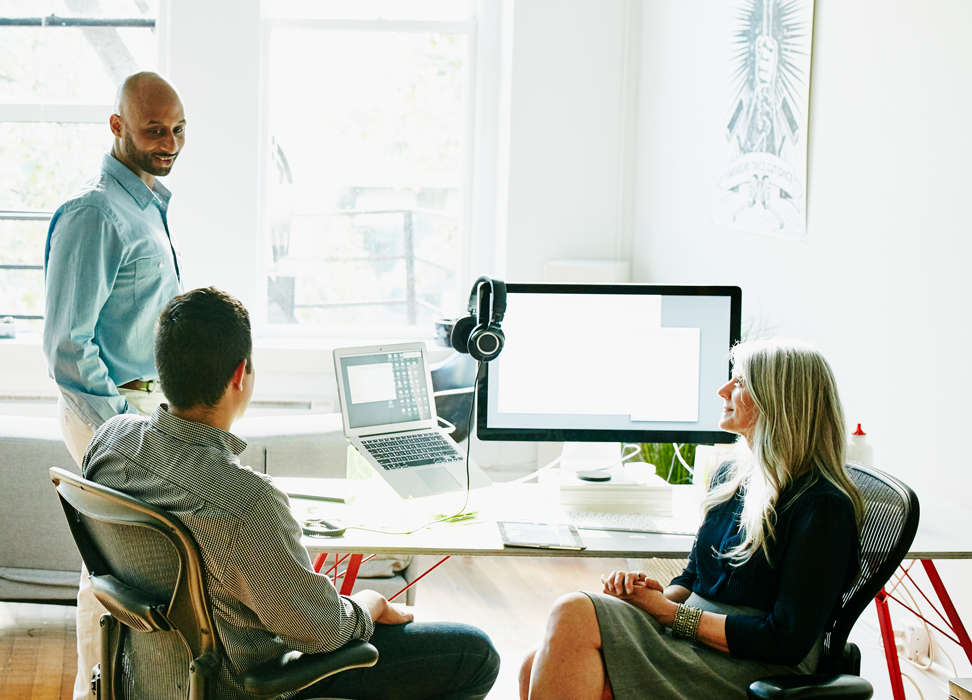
{"x": 763, "y": 170}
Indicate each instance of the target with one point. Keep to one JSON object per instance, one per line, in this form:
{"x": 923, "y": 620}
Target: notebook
{"x": 389, "y": 416}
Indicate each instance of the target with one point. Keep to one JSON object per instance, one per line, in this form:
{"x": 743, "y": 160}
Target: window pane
{"x": 42, "y": 164}
{"x": 442, "y": 10}
{"x": 22, "y": 242}
{"x": 73, "y": 64}
{"x": 378, "y": 130}
{"x": 22, "y": 290}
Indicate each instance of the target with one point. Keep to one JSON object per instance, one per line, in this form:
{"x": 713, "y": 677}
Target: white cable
{"x": 931, "y": 640}
{"x": 555, "y": 461}
{"x": 678, "y": 453}
{"x": 945, "y": 654}
{"x": 920, "y": 694}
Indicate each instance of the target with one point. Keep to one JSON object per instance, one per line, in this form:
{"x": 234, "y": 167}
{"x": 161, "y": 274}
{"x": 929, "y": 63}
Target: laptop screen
{"x": 384, "y": 388}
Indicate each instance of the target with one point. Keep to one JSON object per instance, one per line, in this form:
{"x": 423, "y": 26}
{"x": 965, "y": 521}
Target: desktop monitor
{"x": 611, "y": 363}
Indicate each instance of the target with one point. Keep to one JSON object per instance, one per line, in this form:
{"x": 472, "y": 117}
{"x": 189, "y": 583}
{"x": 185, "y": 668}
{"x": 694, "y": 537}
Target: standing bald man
{"x": 110, "y": 266}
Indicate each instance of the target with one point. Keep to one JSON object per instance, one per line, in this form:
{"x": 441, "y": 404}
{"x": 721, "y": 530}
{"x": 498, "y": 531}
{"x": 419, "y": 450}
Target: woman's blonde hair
{"x": 799, "y": 430}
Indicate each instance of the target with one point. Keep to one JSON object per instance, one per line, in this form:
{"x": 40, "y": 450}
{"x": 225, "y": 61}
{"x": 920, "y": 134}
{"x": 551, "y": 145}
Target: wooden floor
{"x": 38, "y": 652}
{"x": 508, "y": 598}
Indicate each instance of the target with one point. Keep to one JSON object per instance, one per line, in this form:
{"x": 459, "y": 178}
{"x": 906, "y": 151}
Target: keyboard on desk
{"x": 631, "y": 522}
{"x": 411, "y": 450}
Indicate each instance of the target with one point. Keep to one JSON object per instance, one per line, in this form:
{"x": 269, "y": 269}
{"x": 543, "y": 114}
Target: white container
{"x": 858, "y": 450}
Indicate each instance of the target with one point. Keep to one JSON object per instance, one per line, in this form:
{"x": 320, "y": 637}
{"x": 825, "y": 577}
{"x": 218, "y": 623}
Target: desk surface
{"x": 944, "y": 532}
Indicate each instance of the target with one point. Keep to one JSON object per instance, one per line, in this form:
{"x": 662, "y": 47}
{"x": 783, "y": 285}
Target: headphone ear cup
{"x": 485, "y": 342}
{"x": 461, "y": 332}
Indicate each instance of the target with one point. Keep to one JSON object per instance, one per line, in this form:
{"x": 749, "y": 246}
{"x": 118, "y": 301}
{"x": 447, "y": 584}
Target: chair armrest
{"x": 797, "y": 687}
{"x": 130, "y": 606}
{"x": 292, "y": 671}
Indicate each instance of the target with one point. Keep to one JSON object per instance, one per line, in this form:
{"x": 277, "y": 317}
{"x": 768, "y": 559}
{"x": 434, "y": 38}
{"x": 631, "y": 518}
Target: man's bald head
{"x": 149, "y": 125}
{"x": 139, "y": 88}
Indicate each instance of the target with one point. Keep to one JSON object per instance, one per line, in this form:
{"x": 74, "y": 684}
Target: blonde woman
{"x": 778, "y": 543}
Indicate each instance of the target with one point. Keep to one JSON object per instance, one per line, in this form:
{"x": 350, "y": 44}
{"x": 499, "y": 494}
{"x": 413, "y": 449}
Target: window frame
{"x": 69, "y": 112}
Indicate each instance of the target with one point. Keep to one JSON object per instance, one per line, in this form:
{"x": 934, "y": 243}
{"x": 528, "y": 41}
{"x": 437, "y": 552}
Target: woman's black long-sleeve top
{"x": 812, "y": 559}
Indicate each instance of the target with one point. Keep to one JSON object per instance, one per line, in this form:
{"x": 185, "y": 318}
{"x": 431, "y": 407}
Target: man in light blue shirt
{"x": 111, "y": 265}
{"x": 110, "y": 262}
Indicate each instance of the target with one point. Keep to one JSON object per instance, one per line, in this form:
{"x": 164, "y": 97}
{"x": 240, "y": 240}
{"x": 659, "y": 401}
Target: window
{"x": 368, "y": 112}
{"x": 60, "y": 63}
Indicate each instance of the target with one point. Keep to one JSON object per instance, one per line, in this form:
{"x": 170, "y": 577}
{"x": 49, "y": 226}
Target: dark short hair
{"x": 200, "y": 339}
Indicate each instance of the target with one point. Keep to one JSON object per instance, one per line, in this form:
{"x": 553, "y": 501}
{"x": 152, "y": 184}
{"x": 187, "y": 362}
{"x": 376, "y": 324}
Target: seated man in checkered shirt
{"x": 265, "y": 595}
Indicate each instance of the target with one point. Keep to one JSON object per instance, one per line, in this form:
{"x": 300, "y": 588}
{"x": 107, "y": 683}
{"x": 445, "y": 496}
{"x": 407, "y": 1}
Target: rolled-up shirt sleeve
{"x": 271, "y": 573}
{"x": 686, "y": 579}
{"x": 84, "y": 257}
{"x": 822, "y": 541}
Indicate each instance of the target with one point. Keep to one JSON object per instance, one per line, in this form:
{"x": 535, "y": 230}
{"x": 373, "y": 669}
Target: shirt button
{"x": 161, "y": 264}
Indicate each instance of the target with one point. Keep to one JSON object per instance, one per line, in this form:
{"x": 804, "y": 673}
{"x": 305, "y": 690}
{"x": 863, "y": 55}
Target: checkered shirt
{"x": 265, "y": 596}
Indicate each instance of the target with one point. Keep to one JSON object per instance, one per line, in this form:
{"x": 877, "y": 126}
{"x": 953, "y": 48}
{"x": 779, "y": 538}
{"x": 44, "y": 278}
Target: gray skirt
{"x": 644, "y": 661}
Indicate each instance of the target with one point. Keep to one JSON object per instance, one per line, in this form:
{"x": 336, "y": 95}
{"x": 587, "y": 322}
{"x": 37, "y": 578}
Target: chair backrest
{"x": 146, "y": 570}
{"x": 890, "y": 523}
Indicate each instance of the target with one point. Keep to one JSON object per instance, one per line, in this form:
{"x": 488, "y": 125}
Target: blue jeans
{"x": 419, "y": 661}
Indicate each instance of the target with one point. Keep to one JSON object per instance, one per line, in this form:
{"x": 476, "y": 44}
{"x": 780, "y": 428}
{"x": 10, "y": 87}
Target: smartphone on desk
{"x": 540, "y": 535}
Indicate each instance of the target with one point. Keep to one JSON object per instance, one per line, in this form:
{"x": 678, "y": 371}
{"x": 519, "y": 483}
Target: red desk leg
{"x": 423, "y": 575}
{"x": 351, "y": 574}
{"x": 890, "y": 648}
{"x": 946, "y": 601}
{"x": 319, "y": 562}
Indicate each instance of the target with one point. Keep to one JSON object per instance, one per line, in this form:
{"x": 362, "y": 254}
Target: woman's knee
{"x": 526, "y": 670}
{"x": 574, "y": 615}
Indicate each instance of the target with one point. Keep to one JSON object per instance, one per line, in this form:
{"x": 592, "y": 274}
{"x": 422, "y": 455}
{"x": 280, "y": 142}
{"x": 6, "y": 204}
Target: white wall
{"x": 213, "y": 58}
{"x": 881, "y": 285}
{"x": 566, "y": 124}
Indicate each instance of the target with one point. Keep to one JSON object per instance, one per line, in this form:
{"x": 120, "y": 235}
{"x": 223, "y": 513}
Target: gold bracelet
{"x": 686, "y": 623}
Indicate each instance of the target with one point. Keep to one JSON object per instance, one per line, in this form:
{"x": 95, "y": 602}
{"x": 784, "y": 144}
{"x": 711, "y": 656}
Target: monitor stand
{"x": 589, "y": 456}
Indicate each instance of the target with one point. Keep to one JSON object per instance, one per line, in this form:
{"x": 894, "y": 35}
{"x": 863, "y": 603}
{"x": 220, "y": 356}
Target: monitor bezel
{"x": 701, "y": 437}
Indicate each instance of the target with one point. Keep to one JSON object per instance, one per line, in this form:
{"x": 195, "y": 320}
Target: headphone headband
{"x": 476, "y": 334}
{"x": 497, "y": 298}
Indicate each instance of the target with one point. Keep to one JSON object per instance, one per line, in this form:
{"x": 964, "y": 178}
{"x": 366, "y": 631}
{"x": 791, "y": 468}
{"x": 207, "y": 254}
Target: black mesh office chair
{"x": 890, "y": 523}
{"x": 147, "y": 572}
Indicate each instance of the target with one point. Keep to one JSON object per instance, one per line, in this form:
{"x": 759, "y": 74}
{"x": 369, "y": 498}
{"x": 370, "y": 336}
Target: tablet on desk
{"x": 540, "y": 535}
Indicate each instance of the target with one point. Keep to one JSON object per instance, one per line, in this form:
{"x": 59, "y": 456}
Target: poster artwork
{"x": 763, "y": 173}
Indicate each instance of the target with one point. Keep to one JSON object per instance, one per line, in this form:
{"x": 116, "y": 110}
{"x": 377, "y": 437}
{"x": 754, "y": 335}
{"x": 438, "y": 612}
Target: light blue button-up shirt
{"x": 110, "y": 266}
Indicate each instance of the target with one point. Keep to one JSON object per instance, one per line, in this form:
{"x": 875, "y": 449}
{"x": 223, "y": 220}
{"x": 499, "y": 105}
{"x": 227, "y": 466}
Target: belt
{"x": 139, "y": 385}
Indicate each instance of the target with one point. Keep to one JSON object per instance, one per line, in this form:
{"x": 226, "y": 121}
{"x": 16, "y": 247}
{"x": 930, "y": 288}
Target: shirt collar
{"x": 195, "y": 433}
{"x": 133, "y": 184}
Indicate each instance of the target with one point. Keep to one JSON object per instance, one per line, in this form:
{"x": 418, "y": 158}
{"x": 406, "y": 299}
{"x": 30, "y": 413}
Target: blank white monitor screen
{"x": 611, "y": 363}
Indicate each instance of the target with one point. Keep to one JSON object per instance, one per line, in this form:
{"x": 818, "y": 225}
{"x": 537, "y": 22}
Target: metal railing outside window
{"x": 282, "y": 288}
{"x": 24, "y": 215}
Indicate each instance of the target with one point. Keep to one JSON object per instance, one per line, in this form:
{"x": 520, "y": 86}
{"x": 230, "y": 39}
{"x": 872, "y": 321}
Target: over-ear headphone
{"x": 479, "y": 334}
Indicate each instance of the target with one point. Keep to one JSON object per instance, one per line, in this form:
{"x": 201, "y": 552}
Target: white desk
{"x": 480, "y": 537}
{"x": 944, "y": 532}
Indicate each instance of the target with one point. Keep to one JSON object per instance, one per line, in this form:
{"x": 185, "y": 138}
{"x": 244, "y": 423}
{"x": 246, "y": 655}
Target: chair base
{"x": 809, "y": 687}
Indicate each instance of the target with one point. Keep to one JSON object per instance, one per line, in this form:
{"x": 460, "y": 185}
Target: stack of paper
{"x": 619, "y": 495}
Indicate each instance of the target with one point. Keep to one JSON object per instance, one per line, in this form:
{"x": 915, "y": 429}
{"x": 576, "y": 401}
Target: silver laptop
{"x": 389, "y": 416}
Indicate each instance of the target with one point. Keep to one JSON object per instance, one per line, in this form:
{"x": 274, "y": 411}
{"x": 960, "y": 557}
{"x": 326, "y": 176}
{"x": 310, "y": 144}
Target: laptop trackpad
{"x": 439, "y": 480}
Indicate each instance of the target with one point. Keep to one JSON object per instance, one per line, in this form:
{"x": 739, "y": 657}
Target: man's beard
{"x": 143, "y": 160}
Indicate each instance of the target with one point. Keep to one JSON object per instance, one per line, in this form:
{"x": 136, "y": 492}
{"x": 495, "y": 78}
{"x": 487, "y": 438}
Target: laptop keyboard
{"x": 411, "y": 450}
